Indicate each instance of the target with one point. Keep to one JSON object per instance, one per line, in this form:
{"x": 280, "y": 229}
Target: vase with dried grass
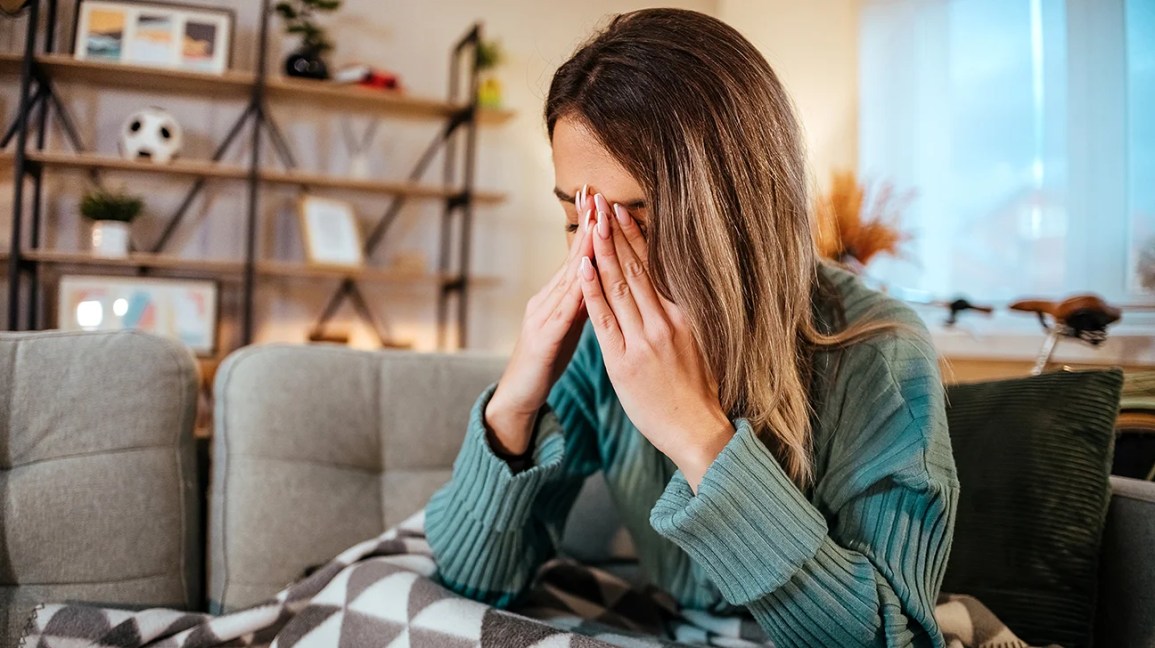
{"x": 855, "y": 222}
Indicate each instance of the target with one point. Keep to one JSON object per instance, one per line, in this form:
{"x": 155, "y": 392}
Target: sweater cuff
{"x": 749, "y": 527}
{"x": 483, "y": 483}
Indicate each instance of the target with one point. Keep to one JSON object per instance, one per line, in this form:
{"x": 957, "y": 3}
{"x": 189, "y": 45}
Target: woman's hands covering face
{"x": 550, "y": 329}
{"x": 663, "y": 382}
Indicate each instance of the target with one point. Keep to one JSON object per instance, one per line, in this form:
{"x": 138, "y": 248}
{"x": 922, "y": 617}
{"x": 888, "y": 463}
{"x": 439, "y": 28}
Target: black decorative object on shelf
{"x": 306, "y": 63}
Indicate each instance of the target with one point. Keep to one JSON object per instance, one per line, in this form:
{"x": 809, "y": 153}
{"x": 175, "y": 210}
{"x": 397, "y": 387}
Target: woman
{"x": 772, "y": 432}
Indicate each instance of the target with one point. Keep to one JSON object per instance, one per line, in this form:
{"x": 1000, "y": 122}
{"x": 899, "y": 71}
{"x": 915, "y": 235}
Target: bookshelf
{"x": 40, "y": 70}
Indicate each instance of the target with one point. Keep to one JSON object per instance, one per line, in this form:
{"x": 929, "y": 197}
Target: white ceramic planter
{"x": 110, "y": 239}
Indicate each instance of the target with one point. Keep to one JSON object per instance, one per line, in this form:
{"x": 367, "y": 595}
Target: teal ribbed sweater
{"x": 855, "y": 560}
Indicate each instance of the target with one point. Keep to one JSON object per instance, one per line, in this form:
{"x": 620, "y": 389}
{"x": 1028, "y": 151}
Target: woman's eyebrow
{"x": 637, "y": 203}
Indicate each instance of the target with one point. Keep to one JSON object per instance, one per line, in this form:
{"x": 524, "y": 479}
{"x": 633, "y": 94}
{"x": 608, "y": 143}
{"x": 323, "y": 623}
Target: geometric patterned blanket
{"x": 383, "y": 592}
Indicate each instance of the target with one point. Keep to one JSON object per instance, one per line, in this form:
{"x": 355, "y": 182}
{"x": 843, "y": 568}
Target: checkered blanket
{"x": 382, "y": 592}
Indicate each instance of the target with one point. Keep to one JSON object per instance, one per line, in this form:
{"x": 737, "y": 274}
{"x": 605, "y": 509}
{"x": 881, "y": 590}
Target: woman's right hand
{"x": 553, "y": 322}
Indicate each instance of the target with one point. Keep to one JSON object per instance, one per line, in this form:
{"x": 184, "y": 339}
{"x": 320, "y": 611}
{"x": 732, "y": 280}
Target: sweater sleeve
{"x": 863, "y": 567}
{"x": 490, "y": 528}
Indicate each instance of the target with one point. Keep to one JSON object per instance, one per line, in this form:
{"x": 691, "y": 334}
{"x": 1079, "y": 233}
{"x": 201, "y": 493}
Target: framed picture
{"x": 181, "y": 309}
{"x": 184, "y": 37}
{"x": 332, "y": 237}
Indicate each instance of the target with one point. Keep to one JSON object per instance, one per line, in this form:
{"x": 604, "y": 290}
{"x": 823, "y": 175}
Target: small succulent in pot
{"x": 111, "y": 212}
{"x": 101, "y": 204}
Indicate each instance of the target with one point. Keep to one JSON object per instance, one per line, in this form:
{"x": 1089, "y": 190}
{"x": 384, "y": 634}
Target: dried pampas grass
{"x": 852, "y": 230}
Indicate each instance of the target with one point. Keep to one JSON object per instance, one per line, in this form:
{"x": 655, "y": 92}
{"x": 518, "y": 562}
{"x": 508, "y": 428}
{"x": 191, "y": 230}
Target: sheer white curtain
{"x": 1025, "y": 127}
{"x": 1140, "y": 21}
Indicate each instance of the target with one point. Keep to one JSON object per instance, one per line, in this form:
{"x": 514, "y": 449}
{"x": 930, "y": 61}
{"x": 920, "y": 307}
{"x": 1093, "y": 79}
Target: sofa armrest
{"x": 98, "y": 492}
{"x": 1127, "y": 572}
{"x": 317, "y": 448}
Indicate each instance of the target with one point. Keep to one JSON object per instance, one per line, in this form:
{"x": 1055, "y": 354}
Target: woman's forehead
{"x": 579, "y": 159}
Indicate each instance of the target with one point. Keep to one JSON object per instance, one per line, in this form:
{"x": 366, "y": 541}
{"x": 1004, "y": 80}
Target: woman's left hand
{"x": 651, "y": 357}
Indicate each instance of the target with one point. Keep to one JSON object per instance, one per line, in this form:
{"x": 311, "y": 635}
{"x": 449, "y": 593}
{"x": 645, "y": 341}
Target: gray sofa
{"x": 316, "y": 448}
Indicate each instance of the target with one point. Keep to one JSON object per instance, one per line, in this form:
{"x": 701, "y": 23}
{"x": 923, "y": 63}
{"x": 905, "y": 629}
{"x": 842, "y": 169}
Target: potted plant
{"x": 111, "y": 213}
{"x": 300, "y": 19}
{"x": 489, "y": 56}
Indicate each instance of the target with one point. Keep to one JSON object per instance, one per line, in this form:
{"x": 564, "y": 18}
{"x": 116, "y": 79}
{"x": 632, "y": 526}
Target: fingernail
{"x": 601, "y": 203}
{"x": 577, "y": 202}
{"x": 584, "y": 193}
{"x": 603, "y": 224}
{"x": 588, "y": 219}
{"x": 622, "y": 214}
{"x": 587, "y": 269}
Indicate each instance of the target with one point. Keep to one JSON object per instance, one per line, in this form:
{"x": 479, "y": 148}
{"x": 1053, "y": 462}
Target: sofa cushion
{"x": 98, "y": 497}
{"x": 317, "y": 448}
{"x": 1033, "y": 458}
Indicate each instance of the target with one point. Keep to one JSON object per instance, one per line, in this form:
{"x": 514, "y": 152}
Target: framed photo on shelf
{"x": 183, "y": 37}
{"x": 331, "y": 233}
{"x": 182, "y": 309}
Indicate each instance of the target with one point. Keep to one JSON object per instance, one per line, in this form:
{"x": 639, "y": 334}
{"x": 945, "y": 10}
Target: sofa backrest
{"x": 317, "y": 448}
{"x": 1126, "y": 610}
{"x": 98, "y": 498}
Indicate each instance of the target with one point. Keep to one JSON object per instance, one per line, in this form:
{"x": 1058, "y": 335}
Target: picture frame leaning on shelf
{"x": 331, "y": 232}
{"x": 190, "y": 38}
{"x": 182, "y": 309}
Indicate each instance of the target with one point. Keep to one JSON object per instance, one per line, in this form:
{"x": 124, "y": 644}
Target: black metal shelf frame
{"x": 457, "y": 211}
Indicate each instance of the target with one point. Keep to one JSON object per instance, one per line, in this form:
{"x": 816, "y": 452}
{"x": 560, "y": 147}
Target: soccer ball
{"x": 151, "y": 134}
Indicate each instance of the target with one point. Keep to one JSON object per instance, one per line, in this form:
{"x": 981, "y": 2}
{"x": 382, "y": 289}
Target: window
{"x": 1027, "y": 130}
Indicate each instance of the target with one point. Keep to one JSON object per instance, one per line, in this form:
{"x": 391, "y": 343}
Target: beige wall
{"x": 813, "y": 46}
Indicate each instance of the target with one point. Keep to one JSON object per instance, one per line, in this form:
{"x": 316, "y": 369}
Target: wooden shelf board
{"x": 137, "y": 260}
{"x": 372, "y": 275}
{"x": 494, "y": 116}
{"x": 10, "y": 64}
{"x": 206, "y": 169}
{"x": 368, "y": 275}
{"x": 354, "y": 97}
{"x": 311, "y": 179}
{"x": 225, "y": 267}
{"x": 188, "y": 168}
{"x": 484, "y": 281}
{"x": 62, "y": 67}
{"x": 239, "y": 84}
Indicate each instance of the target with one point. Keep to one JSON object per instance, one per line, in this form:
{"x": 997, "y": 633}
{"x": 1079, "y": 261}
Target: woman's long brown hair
{"x": 697, "y": 116}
